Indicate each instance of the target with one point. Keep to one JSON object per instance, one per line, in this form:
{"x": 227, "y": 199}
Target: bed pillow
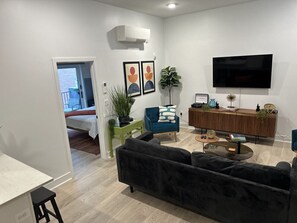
{"x": 167, "y": 114}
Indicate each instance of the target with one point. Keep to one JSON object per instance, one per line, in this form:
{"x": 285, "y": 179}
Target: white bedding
{"x": 84, "y": 122}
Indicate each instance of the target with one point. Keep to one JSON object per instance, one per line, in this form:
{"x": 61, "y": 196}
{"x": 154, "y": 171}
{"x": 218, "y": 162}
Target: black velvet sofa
{"x": 224, "y": 190}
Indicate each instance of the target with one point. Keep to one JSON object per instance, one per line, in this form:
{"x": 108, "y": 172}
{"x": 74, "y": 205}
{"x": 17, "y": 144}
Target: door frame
{"x": 99, "y": 114}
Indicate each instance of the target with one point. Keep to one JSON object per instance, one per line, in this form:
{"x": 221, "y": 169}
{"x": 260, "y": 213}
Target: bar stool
{"x": 39, "y": 197}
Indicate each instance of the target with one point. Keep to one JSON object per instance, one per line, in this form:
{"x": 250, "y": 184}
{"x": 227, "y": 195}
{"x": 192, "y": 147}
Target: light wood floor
{"x": 95, "y": 195}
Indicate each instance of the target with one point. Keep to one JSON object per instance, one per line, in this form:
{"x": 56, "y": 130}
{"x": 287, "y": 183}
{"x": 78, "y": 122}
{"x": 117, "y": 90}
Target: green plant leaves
{"x": 169, "y": 78}
{"x": 120, "y": 101}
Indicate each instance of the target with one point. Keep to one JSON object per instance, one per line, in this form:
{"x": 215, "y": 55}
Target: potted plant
{"x": 263, "y": 114}
{"x": 121, "y": 104}
{"x": 169, "y": 78}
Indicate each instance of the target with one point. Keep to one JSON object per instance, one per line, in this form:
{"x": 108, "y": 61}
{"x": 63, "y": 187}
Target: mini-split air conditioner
{"x": 132, "y": 34}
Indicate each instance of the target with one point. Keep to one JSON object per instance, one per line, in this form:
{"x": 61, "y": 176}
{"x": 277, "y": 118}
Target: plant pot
{"x": 124, "y": 120}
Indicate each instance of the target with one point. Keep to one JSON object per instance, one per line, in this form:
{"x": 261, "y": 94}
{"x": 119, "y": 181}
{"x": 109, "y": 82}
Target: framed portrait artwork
{"x": 148, "y": 76}
{"x": 132, "y": 78}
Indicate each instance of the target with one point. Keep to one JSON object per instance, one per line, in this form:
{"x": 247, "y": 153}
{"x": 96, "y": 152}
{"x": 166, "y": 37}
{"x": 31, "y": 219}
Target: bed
{"x": 83, "y": 119}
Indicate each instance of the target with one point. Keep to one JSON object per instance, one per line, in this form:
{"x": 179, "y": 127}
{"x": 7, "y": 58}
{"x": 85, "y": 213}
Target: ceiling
{"x": 159, "y": 7}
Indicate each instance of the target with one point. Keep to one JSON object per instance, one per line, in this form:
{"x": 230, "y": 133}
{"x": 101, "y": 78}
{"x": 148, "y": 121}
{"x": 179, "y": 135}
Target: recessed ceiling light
{"x": 171, "y": 5}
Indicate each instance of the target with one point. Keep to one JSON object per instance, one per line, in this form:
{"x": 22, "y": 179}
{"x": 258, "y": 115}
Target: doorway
{"x": 77, "y": 95}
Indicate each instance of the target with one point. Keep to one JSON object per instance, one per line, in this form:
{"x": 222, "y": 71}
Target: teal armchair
{"x": 151, "y": 122}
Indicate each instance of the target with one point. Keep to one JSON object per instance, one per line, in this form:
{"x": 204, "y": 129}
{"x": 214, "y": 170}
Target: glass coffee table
{"x": 229, "y": 150}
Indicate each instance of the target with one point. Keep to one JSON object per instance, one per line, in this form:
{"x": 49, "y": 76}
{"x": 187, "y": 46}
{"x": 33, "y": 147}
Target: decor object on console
{"x": 151, "y": 119}
{"x": 269, "y": 107}
{"x": 200, "y": 99}
{"x": 121, "y": 103}
{"x": 294, "y": 139}
{"x": 258, "y": 108}
{"x": 263, "y": 114}
{"x": 212, "y": 103}
{"x": 148, "y": 76}
{"x": 132, "y": 78}
{"x": 231, "y": 98}
{"x": 225, "y": 190}
{"x": 169, "y": 79}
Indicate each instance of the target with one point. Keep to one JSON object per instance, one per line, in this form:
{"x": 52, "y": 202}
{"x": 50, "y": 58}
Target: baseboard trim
{"x": 59, "y": 181}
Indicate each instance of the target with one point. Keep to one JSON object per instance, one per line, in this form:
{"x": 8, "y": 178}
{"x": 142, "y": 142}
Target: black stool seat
{"x": 39, "y": 198}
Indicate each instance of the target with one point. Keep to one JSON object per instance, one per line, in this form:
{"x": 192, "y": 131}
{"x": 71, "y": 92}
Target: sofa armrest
{"x": 146, "y": 136}
{"x": 293, "y": 193}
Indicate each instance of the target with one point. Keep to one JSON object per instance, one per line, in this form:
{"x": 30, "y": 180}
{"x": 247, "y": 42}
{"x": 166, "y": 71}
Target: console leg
{"x": 131, "y": 189}
{"x": 238, "y": 147}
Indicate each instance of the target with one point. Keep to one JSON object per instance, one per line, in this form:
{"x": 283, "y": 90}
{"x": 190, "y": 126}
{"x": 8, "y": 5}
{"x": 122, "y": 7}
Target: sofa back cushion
{"x": 268, "y": 175}
{"x": 153, "y": 149}
{"x": 212, "y": 162}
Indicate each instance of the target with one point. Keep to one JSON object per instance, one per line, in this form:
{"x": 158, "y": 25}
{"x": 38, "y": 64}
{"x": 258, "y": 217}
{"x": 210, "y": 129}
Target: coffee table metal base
{"x": 222, "y": 149}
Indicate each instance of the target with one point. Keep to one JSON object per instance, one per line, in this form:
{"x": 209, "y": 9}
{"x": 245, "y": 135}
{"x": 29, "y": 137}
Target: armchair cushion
{"x": 167, "y": 114}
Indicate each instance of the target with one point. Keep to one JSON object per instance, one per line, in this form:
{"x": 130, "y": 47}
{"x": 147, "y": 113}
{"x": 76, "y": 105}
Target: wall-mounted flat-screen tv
{"x": 253, "y": 71}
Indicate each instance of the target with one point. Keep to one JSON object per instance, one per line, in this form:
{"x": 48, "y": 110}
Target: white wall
{"x": 191, "y": 41}
{"x": 34, "y": 32}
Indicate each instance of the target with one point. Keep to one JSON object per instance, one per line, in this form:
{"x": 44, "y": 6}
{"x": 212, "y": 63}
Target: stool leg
{"x": 45, "y": 213}
{"x": 37, "y": 213}
{"x": 56, "y": 209}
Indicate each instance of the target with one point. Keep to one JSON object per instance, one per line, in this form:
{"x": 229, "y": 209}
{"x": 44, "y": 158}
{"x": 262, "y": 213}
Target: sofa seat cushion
{"x": 153, "y": 149}
{"x": 268, "y": 175}
{"x": 212, "y": 162}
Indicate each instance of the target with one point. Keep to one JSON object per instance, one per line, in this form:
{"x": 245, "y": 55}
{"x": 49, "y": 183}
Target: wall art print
{"x": 148, "y": 76}
{"x": 132, "y": 78}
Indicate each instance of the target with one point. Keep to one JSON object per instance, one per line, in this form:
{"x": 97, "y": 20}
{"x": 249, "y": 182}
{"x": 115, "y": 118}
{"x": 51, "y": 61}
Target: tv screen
{"x": 242, "y": 71}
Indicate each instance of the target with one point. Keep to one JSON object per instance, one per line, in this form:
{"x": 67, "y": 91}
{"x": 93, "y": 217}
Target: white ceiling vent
{"x": 132, "y": 34}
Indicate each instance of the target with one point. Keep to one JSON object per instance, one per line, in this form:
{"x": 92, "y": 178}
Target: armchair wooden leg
{"x": 131, "y": 189}
{"x": 175, "y": 136}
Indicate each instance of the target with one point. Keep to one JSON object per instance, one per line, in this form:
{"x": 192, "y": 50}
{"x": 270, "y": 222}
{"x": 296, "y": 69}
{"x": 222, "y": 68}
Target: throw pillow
{"x": 167, "y": 114}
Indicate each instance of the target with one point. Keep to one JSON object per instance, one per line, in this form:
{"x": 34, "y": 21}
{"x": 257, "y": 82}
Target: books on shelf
{"x": 237, "y": 138}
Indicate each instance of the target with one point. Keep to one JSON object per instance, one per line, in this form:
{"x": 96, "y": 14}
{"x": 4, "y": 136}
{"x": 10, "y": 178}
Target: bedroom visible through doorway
{"x": 77, "y": 96}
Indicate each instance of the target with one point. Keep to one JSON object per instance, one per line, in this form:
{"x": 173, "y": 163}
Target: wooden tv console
{"x": 243, "y": 121}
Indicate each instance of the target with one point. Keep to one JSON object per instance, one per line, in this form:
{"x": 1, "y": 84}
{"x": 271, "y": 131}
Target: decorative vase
{"x": 212, "y": 103}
